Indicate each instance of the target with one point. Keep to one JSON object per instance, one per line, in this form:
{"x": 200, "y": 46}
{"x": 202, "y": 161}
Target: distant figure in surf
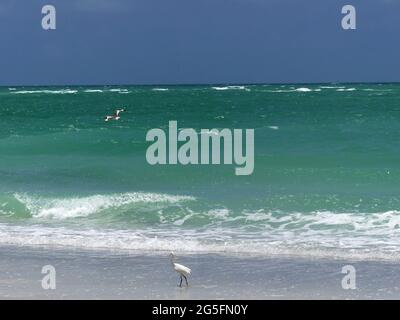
{"x": 115, "y": 116}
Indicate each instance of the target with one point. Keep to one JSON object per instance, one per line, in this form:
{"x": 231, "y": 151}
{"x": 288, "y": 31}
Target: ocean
{"x": 325, "y": 182}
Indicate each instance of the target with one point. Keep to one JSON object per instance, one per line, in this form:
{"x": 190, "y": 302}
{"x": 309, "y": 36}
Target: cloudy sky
{"x": 198, "y": 41}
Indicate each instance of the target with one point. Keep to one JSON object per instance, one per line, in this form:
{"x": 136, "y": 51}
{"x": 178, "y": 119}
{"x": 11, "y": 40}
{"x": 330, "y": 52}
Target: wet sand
{"x": 105, "y": 275}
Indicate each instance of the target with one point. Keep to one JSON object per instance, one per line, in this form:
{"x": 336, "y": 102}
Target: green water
{"x": 327, "y": 169}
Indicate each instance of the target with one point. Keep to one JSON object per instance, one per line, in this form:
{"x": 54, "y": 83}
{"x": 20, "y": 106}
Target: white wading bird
{"x": 182, "y": 270}
{"x": 115, "y": 116}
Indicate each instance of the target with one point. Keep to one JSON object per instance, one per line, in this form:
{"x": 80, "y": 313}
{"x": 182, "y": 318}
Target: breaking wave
{"x": 62, "y": 91}
{"x": 165, "y": 222}
{"x": 231, "y": 88}
{"x": 39, "y": 207}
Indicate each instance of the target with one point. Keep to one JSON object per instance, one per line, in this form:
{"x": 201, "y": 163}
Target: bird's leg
{"x": 180, "y": 284}
{"x": 187, "y": 284}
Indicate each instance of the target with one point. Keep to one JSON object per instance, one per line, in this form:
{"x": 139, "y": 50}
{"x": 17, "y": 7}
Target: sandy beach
{"x": 105, "y": 275}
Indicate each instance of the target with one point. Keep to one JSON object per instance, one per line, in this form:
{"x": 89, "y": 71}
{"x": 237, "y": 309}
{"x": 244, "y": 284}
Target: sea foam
{"x": 231, "y": 88}
{"x": 62, "y": 91}
{"x": 84, "y": 206}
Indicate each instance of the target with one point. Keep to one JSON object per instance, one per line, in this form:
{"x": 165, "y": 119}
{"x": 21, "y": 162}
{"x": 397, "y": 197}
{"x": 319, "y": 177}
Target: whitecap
{"x": 62, "y": 91}
{"x": 59, "y": 208}
{"x": 93, "y": 90}
{"x": 303, "y": 90}
{"x": 118, "y": 90}
{"x": 231, "y": 88}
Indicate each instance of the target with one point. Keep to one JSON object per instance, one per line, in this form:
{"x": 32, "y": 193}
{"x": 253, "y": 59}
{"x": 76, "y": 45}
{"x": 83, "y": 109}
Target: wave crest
{"x": 84, "y": 206}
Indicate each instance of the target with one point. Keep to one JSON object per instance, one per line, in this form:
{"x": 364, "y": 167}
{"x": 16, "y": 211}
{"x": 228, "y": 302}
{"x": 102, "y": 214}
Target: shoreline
{"x": 94, "y": 274}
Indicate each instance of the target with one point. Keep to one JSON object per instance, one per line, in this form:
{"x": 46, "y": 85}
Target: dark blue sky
{"x": 198, "y": 41}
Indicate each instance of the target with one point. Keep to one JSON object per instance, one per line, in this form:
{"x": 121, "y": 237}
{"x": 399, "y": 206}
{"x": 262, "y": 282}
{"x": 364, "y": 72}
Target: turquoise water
{"x": 326, "y": 177}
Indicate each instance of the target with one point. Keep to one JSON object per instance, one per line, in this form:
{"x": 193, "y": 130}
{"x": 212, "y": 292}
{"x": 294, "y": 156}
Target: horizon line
{"x": 199, "y": 84}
